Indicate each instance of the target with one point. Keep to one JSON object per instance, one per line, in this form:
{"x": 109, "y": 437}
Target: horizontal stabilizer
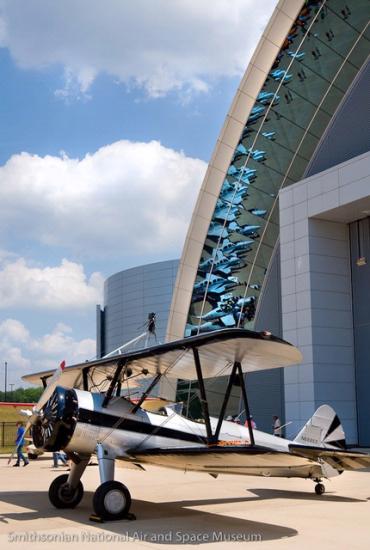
{"x": 338, "y": 459}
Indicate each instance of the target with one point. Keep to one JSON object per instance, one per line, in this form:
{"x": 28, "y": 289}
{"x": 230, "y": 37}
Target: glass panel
{"x": 308, "y": 79}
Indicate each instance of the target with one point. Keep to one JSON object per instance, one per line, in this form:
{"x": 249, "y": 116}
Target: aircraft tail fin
{"x": 323, "y": 429}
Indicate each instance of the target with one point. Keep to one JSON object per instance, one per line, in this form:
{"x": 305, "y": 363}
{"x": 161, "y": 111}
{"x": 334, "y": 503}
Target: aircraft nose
{"x": 55, "y": 426}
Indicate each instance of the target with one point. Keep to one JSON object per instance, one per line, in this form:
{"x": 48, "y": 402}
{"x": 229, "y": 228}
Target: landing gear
{"x": 62, "y": 495}
{"x": 66, "y": 491}
{"x": 112, "y": 500}
{"x": 319, "y": 488}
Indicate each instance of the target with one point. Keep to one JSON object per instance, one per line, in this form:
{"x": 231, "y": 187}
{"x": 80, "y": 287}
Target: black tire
{"x": 31, "y": 456}
{"x": 112, "y": 500}
{"x": 319, "y": 489}
{"x": 60, "y": 494}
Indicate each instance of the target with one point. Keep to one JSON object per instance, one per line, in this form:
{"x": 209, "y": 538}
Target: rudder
{"x": 323, "y": 429}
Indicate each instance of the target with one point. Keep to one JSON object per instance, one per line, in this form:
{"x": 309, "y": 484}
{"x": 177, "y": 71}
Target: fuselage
{"x": 129, "y": 434}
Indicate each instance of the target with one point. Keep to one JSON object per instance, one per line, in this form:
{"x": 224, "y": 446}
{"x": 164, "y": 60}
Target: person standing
{"x": 253, "y": 424}
{"x": 19, "y": 441}
{"x": 276, "y": 426}
{"x": 59, "y": 456}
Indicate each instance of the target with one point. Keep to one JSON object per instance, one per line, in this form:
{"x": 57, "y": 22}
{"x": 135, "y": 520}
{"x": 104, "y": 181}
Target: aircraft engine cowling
{"x": 56, "y": 420}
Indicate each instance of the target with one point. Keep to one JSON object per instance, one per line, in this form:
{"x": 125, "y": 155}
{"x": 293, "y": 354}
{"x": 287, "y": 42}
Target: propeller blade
{"x": 53, "y": 382}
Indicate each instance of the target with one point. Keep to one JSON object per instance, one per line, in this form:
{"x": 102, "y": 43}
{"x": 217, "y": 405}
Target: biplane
{"x": 83, "y": 411}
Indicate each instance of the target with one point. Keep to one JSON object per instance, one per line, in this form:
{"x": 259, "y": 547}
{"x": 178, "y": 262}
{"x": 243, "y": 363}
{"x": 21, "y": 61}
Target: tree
{"x": 22, "y": 395}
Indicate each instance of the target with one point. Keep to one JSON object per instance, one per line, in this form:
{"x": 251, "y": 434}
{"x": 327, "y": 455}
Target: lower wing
{"x": 242, "y": 460}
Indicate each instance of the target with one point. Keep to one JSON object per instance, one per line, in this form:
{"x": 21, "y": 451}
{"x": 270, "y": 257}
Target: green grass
{"x": 6, "y": 450}
{"x": 12, "y": 414}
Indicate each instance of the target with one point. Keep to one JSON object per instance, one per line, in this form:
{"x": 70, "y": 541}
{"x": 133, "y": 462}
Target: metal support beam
{"x": 85, "y": 379}
{"x": 225, "y": 401}
{"x": 106, "y": 461}
{"x": 77, "y": 469}
{"x": 245, "y": 399}
{"x": 146, "y": 393}
{"x": 113, "y": 383}
{"x": 203, "y": 396}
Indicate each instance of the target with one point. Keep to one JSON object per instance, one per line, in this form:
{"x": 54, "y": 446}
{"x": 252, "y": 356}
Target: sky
{"x": 109, "y": 113}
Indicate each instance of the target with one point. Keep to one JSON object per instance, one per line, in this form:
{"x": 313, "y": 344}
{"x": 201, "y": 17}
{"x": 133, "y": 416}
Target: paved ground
{"x": 176, "y": 510}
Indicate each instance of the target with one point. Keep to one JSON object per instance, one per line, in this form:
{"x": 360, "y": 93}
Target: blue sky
{"x": 109, "y": 113}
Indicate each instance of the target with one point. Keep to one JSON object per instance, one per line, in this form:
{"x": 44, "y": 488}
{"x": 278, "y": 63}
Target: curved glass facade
{"x": 321, "y": 55}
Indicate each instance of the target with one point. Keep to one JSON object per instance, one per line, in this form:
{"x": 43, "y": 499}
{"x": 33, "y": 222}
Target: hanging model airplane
{"x": 83, "y": 412}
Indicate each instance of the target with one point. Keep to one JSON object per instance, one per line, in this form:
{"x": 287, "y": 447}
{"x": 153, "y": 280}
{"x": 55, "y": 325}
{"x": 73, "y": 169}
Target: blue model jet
{"x": 238, "y": 248}
{"x": 192, "y": 330}
{"x": 266, "y": 98}
{"x": 246, "y": 230}
{"x": 240, "y": 151}
{"x": 257, "y": 212}
{"x": 234, "y": 197}
{"x": 257, "y": 155}
{"x": 226, "y": 212}
{"x": 281, "y": 75}
{"x": 215, "y": 284}
{"x": 217, "y": 230}
{"x": 269, "y": 135}
{"x": 248, "y": 175}
{"x": 221, "y": 264}
{"x": 256, "y": 113}
{"x": 297, "y": 55}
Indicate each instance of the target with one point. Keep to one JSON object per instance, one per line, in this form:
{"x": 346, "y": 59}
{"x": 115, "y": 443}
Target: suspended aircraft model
{"x": 83, "y": 412}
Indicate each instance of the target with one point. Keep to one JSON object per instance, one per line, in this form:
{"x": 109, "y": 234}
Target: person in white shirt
{"x": 276, "y": 426}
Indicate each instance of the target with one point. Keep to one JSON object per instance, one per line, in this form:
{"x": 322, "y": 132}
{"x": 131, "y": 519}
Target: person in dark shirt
{"x": 19, "y": 441}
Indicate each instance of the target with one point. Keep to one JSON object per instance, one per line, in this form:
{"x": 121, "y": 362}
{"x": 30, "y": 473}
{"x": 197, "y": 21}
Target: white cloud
{"x": 13, "y": 331}
{"x": 25, "y": 353}
{"x": 62, "y": 287}
{"x": 126, "y": 198}
{"x": 160, "y": 45}
{"x": 61, "y": 344}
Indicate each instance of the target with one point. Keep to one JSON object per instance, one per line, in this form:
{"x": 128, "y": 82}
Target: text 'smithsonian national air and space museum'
{"x": 280, "y": 236}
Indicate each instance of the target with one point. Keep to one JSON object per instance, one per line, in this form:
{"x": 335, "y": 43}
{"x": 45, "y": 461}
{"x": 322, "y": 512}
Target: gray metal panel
{"x": 360, "y": 247}
{"x": 99, "y": 332}
{"x": 348, "y": 134}
{"x": 266, "y": 389}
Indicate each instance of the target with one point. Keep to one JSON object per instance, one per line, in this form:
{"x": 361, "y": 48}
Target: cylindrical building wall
{"x": 129, "y": 296}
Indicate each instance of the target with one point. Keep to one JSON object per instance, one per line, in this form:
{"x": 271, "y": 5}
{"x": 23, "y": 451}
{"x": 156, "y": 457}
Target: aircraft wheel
{"x": 319, "y": 488}
{"x": 61, "y": 495}
{"x": 112, "y": 500}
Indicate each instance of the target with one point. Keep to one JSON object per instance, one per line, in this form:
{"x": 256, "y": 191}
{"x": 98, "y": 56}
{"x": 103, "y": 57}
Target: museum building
{"x": 280, "y": 235}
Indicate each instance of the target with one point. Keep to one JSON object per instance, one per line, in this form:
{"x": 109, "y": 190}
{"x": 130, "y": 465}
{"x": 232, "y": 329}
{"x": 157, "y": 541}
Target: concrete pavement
{"x": 178, "y": 510}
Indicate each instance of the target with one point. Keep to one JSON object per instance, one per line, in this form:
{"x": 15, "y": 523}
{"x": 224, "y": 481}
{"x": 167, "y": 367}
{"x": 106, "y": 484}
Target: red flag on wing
{"x": 63, "y": 365}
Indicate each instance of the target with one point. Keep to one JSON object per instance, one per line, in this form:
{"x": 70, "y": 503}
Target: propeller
{"x": 43, "y": 428}
{"x": 40, "y": 413}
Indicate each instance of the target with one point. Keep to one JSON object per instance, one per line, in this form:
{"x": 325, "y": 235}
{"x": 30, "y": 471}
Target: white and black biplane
{"x": 83, "y": 412}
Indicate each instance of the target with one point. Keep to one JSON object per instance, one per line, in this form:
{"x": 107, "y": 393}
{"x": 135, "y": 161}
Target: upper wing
{"x": 217, "y": 350}
{"x": 340, "y": 460}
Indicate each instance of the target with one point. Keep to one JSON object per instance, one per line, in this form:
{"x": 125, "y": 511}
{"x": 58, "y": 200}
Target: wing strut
{"x": 236, "y": 370}
{"x": 146, "y": 393}
{"x": 245, "y": 399}
{"x": 203, "y": 396}
{"x": 225, "y": 401}
{"x": 117, "y": 374}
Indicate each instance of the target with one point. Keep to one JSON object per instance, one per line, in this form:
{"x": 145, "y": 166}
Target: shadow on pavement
{"x": 267, "y": 494}
{"x": 162, "y": 523}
